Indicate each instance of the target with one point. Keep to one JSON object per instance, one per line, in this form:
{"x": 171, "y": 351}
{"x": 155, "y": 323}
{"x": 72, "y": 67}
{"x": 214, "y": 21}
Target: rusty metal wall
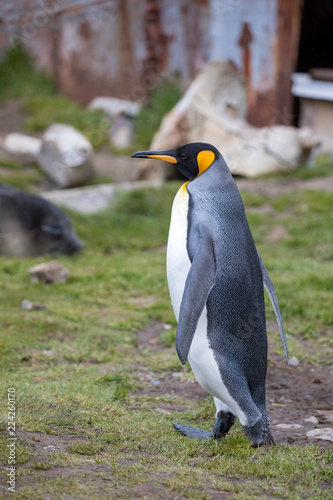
{"x": 124, "y": 47}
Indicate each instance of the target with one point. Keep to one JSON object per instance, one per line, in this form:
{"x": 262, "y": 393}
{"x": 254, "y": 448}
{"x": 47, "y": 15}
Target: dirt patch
{"x": 43, "y": 445}
{"x": 149, "y": 337}
{"x": 293, "y": 394}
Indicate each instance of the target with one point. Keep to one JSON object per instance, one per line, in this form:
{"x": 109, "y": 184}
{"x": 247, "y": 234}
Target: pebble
{"x": 155, "y": 382}
{"x": 26, "y": 305}
{"x": 166, "y": 326}
{"x": 49, "y": 272}
{"x": 293, "y": 361}
{"x": 48, "y": 352}
{"x": 312, "y": 420}
{"x": 325, "y": 434}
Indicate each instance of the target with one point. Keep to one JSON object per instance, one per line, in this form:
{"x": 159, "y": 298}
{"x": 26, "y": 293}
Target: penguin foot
{"x": 192, "y": 432}
{"x": 259, "y": 434}
{"x": 223, "y": 423}
{"x": 267, "y": 437}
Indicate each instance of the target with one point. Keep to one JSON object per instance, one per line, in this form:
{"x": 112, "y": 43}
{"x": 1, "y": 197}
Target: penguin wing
{"x": 268, "y": 284}
{"x": 200, "y": 280}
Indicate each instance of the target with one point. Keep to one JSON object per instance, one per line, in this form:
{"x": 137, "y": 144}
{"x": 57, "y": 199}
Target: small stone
{"x": 293, "y": 361}
{"x": 114, "y": 107}
{"x": 26, "y": 305}
{"x": 166, "y": 326}
{"x": 49, "y": 272}
{"x": 287, "y": 427}
{"x": 325, "y": 434}
{"x": 48, "y": 352}
{"x": 155, "y": 382}
{"x": 312, "y": 420}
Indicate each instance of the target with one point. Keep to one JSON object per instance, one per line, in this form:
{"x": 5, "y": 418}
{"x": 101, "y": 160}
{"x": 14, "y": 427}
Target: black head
{"x": 191, "y": 159}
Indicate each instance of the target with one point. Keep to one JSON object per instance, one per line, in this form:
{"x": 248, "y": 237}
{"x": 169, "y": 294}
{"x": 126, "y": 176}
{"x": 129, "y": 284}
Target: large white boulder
{"x": 65, "y": 156}
{"x": 213, "y": 110}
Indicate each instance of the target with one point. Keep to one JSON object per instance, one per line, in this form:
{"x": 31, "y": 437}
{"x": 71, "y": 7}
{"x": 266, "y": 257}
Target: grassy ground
{"x": 98, "y": 379}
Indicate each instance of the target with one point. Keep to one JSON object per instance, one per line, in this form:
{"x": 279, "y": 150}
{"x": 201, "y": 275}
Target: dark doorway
{"x": 316, "y": 40}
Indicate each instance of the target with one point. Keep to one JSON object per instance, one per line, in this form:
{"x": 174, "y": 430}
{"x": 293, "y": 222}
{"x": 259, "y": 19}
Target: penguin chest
{"x": 178, "y": 261}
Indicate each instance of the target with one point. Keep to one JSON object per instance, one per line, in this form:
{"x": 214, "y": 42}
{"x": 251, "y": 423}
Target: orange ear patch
{"x": 205, "y": 159}
{"x": 169, "y": 159}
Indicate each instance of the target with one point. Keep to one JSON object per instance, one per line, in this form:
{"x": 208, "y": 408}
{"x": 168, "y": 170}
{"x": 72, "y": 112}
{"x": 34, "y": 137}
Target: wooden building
{"x": 124, "y": 47}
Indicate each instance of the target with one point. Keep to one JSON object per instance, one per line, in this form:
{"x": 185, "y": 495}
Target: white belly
{"x": 178, "y": 262}
{"x": 200, "y": 356}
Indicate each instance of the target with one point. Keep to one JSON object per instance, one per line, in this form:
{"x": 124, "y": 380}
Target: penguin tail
{"x": 192, "y": 432}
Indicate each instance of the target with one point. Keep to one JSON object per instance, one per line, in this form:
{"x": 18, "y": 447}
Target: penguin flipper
{"x": 192, "y": 432}
{"x": 268, "y": 284}
{"x": 200, "y": 280}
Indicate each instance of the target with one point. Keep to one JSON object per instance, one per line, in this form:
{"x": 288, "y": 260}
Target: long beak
{"x": 157, "y": 155}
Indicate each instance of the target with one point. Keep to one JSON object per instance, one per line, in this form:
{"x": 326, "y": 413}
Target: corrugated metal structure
{"x": 124, "y": 47}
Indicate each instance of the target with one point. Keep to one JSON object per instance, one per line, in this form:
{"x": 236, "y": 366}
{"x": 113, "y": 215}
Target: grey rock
{"x": 312, "y": 420}
{"x": 114, "y": 107}
{"x": 49, "y": 272}
{"x": 22, "y": 145}
{"x": 26, "y": 305}
{"x": 293, "y": 361}
{"x": 65, "y": 156}
{"x": 325, "y": 434}
{"x": 93, "y": 199}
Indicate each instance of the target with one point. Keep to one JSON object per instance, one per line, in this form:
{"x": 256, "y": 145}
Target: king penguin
{"x": 216, "y": 277}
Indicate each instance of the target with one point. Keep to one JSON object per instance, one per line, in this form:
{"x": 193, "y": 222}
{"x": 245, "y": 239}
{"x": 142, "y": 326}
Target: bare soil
{"x": 293, "y": 393}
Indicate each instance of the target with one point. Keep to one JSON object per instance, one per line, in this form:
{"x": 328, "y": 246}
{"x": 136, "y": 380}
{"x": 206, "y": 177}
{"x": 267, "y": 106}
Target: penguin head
{"x": 191, "y": 159}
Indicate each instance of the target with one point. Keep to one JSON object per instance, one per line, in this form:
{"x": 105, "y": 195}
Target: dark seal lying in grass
{"x": 30, "y": 225}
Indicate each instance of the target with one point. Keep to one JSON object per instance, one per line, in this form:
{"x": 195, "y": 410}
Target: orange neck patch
{"x": 205, "y": 159}
{"x": 183, "y": 188}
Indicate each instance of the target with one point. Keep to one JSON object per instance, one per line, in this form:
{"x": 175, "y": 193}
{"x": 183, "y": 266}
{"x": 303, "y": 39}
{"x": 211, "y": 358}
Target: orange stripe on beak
{"x": 169, "y": 159}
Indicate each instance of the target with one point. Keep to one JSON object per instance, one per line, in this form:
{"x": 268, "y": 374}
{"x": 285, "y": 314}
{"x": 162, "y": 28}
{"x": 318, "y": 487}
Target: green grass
{"x": 41, "y": 100}
{"x": 83, "y": 383}
{"x": 27, "y": 178}
{"x": 163, "y": 98}
{"x": 321, "y": 167}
